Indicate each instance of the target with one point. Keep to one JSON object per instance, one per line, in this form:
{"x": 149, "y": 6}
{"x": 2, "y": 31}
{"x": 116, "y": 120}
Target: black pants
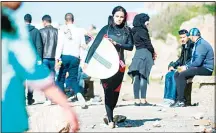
{"x": 111, "y": 90}
{"x": 181, "y": 79}
{"x": 30, "y": 94}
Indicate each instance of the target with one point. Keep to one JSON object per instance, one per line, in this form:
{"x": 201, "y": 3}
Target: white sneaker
{"x": 71, "y": 98}
{"x": 111, "y": 125}
{"x": 47, "y": 103}
{"x": 168, "y": 103}
{"x": 82, "y": 101}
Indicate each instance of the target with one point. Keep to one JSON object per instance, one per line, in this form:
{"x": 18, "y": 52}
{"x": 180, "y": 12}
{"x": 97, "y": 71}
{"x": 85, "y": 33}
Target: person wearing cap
{"x": 185, "y": 56}
{"x": 201, "y": 63}
{"x": 70, "y": 41}
{"x": 37, "y": 42}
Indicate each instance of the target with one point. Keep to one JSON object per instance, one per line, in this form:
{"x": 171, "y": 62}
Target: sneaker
{"x": 71, "y": 99}
{"x": 178, "y": 104}
{"x": 136, "y": 104}
{"x": 168, "y": 103}
{"x": 82, "y": 101}
{"x": 111, "y": 125}
{"x": 146, "y": 104}
{"x": 47, "y": 103}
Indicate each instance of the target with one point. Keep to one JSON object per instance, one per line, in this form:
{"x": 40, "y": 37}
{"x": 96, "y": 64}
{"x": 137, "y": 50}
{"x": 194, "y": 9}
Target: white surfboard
{"x": 104, "y": 62}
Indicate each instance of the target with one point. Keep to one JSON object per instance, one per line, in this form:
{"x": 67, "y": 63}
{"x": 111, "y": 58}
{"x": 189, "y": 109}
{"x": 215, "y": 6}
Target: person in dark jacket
{"x": 142, "y": 61}
{"x": 185, "y": 56}
{"x": 201, "y": 63}
{"x": 49, "y": 36}
{"x": 37, "y": 42}
{"x": 120, "y": 35}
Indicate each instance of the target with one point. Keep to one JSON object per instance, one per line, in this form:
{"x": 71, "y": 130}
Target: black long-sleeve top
{"x": 142, "y": 39}
{"x": 121, "y": 35}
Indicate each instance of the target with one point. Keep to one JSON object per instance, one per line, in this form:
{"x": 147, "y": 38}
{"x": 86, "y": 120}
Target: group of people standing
{"x": 69, "y": 40}
{"x": 59, "y": 50}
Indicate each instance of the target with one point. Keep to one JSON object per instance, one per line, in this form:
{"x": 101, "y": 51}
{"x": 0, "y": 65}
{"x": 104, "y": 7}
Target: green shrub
{"x": 170, "y": 20}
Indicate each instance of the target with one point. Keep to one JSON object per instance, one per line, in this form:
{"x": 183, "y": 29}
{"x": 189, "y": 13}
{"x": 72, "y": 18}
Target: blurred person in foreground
{"x": 17, "y": 66}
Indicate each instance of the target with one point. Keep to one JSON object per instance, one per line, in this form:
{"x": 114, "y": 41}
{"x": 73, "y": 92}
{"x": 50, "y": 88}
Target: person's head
{"x": 69, "y": 18}
{"x": 183, "y": 34}
{"x": 28, "y": 18}
{"x": 12, "y": 5}
{"x": 7, "y": 24}
{"x": 142, "y": 20}
{"x": 119, "y": 15}
{"x": 194, "y": 34}
{"x": 46, "y": 20}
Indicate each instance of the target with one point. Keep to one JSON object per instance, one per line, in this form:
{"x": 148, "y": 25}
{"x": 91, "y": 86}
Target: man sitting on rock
{"x": 201, "y": 63}
{"x": 186, "y": 52}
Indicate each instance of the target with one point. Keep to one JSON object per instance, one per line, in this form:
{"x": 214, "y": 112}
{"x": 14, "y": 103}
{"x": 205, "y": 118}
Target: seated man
{"x": 186, "y": 52}
{"x": 202, "y": 63}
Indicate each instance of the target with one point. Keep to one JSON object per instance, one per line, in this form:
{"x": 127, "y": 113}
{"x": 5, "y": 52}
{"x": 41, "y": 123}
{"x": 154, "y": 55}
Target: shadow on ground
{"x": 135, "y": 123}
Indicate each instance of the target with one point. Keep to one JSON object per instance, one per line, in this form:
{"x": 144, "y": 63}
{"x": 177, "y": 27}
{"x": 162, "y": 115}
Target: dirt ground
{"x": 139, "y": 118}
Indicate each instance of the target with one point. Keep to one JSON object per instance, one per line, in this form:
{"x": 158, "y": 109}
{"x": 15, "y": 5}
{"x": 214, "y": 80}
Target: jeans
{"x": 140, "y": 85}
{"x": 181, "y": 79}
{"x": 70, "y": 64}
{"x": 170, "y": 86}
{"x": 50, "y": 63}
{"x": 81, "y": 79}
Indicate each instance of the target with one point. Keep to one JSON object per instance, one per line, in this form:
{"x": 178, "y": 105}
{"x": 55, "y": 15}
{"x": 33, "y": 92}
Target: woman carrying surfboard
{"x": 142, "y": 61}
{"x": 120, "y": 35}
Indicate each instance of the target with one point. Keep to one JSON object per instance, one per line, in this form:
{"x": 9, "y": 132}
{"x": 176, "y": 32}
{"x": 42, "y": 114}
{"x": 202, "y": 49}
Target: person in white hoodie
{"x": 70, "y": 41}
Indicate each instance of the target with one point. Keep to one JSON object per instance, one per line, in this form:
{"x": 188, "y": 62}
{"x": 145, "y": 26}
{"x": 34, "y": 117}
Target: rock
{"x": 163, "y": 57}
{"x": 202, "y": 123}
{"x": 93, "y": 126}
{"x": 163, "y": 109}
{"x": 159, "y": 109}
{"x": 156, "y": 124}
{"x": 206, "y": 26}
{"x": 198, "y": 116}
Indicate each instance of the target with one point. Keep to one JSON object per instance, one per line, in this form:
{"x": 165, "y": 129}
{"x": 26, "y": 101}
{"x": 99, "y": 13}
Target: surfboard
{"x": 104, "y": 62}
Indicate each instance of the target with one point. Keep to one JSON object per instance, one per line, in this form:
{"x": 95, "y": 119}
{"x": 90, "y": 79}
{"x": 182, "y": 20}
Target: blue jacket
{"x": 203, "y": 56}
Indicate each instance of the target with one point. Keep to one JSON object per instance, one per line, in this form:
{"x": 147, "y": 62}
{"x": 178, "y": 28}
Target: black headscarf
{"x": 140, "y": 19}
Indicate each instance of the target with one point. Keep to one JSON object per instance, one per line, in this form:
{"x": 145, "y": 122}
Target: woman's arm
{"x": 96, "y": 43}
{"x": 129, "y": 44}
